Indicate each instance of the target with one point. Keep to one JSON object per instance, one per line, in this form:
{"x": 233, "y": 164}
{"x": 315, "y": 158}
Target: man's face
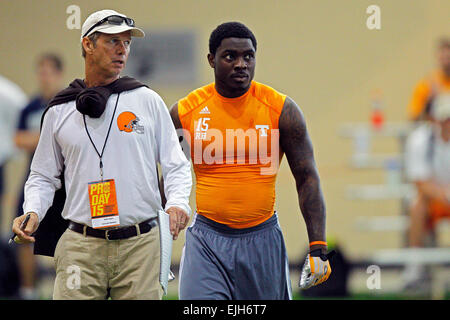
{"x": 234, "y": 65}
{"x": 444, "y": 59}
{"x": 110, "y": 53}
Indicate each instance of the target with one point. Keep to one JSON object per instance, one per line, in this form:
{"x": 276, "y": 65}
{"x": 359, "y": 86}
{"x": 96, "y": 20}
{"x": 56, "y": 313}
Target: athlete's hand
{"x": 25, "y": 235}
{"x": 178, "y": 220}
{"x": 316, "y": 269}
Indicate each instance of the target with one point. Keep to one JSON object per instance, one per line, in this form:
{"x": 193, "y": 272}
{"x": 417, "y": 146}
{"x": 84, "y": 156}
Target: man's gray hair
{"x": 93, "y": 37}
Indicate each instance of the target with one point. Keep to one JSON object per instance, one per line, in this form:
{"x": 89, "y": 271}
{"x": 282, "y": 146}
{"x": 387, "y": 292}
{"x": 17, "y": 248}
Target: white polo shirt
{"x": 130, "y": 158}
{"x": 426, "y": 159}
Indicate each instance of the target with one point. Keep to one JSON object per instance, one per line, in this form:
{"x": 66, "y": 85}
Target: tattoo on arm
{"x": 296, "y": 144}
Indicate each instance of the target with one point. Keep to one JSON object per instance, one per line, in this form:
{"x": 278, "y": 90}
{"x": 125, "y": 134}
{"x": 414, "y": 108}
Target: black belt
{"x": 114, "y": 234}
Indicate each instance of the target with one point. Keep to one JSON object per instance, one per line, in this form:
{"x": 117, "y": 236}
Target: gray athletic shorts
{"x": 223, "y": 263}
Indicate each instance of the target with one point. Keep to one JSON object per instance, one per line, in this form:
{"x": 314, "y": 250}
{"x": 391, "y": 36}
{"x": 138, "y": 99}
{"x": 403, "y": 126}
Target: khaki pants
{"x": 88, "y": 267}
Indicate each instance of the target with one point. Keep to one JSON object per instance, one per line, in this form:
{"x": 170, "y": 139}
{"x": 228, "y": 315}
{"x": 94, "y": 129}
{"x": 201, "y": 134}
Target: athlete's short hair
{"x": 229, "y": 30}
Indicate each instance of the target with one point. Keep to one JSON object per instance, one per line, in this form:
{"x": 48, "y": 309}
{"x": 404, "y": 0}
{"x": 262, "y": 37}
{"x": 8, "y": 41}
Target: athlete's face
{"x": 234, "y": 66}
{"x": 110, "y": 53}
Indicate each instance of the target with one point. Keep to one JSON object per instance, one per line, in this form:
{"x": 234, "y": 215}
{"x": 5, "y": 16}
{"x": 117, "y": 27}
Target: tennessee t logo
{"x": 263, "y": 129}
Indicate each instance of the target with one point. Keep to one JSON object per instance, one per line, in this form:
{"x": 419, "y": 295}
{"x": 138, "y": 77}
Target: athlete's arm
{"x": 174, "y": 114}
{"x": 296, "y": 144}
{"x": 180, "y": 131}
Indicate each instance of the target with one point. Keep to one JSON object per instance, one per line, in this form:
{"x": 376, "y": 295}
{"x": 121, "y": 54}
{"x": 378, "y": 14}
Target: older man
{"x": 107, "y": 133}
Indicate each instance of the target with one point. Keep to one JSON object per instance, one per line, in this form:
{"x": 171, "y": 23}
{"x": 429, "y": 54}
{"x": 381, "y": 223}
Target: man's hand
{"x": 24, "y": 236}
{"x": 316, "y": 270}
{"x": 178, "y": 220}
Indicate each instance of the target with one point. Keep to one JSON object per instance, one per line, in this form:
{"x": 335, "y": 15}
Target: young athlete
{"x": 238, "y": 130}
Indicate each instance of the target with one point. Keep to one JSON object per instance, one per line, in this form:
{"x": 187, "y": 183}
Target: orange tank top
{"x": 234, "y": 146}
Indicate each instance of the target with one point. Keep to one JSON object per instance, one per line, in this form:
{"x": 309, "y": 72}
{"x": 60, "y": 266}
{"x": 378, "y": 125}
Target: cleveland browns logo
{"x": 127, "y": 121}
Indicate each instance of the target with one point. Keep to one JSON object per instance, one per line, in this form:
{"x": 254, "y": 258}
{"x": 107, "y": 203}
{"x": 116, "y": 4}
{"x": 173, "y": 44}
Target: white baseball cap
{"x": 441, "y": 107}
{"x": 97, "y": 22}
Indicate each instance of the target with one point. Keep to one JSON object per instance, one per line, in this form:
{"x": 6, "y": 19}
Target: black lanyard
{"x": 100, "y": 155}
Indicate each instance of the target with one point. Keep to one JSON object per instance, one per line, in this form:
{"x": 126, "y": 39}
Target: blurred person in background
{"x": 12, "y": 99}
{"x": 427, "y": 164}
{"x": 49, "y": 72}
{"x": 438, "y": 82}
